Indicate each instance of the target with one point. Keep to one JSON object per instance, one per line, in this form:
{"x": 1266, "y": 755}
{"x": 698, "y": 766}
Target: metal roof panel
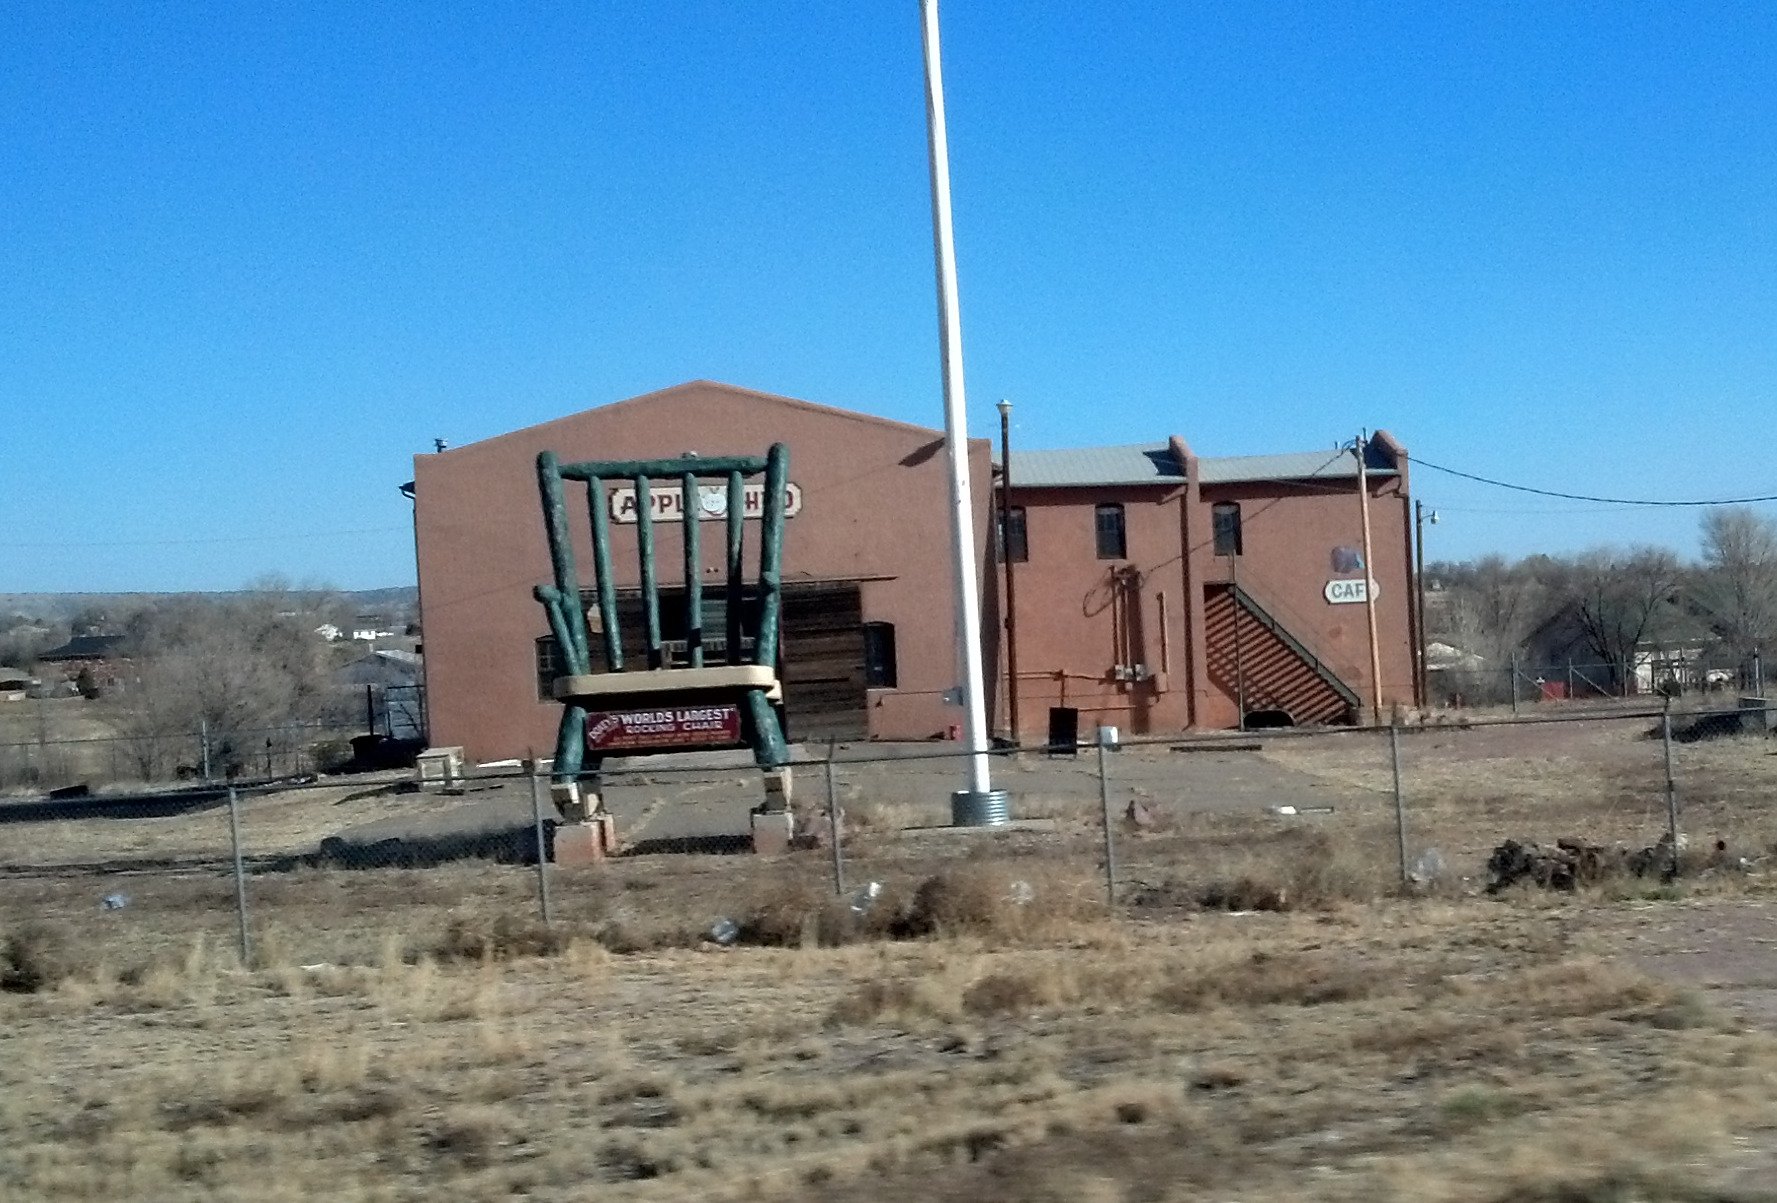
{"x": 1130, "y": 464}
{"x": 1150, "y": 464}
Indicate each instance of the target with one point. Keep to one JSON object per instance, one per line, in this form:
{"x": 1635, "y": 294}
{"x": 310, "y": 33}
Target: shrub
{"x": 1264, "y": 979}
{"x": 331, "y": 755}
{"x": 36, "y": 957}
{"x": 1014, "y": 992}
{"x": 1305, "y": 871}
{"x": 805, "y": 914}
{"x": 992, "y": 900}
{"x": 474, "y": 938}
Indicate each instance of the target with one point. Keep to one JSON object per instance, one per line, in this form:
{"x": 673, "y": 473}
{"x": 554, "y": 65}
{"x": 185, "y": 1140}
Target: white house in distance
{"x": 15, "y": 684}
{"x": 333, "y": 633}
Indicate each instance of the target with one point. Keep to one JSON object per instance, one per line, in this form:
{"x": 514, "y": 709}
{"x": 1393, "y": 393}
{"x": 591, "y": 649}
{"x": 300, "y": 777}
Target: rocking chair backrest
{"x": 561, "y": 601}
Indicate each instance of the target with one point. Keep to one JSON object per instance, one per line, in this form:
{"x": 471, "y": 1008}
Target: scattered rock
{"x": 1573, "y": 863}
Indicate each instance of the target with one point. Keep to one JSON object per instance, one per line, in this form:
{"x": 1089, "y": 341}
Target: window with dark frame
{"x": 1108, "y": 521}
{"x": 1014, "y": 542}
{"x": 880, "y": 671}
{"x": 1224, "y": 519}
{"x": 548, "y": 667}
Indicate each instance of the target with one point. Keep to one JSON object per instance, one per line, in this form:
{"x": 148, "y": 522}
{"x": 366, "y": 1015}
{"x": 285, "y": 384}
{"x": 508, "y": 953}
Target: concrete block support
{"x": 773, "y": 832}
{"x": 586, "y": 843}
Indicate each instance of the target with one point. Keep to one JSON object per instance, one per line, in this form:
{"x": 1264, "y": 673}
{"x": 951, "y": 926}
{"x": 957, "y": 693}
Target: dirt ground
{"x": 1411, "y": 1051}
{"x": 1002, "y": 1035}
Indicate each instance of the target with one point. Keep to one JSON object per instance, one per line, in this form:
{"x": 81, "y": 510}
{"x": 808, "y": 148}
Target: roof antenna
{"x": 438, "y": 444}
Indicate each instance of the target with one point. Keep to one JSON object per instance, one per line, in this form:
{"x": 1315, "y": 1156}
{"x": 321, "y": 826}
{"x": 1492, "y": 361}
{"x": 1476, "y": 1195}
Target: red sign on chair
{"x": 665, "y": 727}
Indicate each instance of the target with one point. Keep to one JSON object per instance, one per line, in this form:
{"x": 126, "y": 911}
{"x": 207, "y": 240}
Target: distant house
{"x": 363, "y": 630}
{"x": 15, "y": 684}
{"x": 1680, "y": 649}
{"x": 388, "y": 685}
{"x": 102, "y": 657}
{"x": 1445, "y": 657}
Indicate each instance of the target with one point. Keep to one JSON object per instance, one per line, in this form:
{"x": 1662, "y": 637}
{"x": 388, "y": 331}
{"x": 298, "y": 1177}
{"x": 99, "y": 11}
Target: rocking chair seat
{"x": 725, "y": 678}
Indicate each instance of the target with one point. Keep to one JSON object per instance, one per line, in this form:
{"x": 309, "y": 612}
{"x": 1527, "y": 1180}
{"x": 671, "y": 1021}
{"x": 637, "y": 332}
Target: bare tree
{"x": 1736, "y": 589}
{"x": 23, "y": 640}
{"x": 247, "y": 668}
{"x": 1493, "y": 607}
{"x": 1621, "y": 598}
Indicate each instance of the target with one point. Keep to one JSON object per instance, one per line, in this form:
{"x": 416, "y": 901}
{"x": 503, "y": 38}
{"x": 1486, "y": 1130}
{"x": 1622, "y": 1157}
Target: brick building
{"x": 1124, "y": 556}
{"x": 1158, "y": 589}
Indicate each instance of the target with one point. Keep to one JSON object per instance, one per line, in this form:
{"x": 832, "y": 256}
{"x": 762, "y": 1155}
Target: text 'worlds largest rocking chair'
{"x": 680, "y": 700}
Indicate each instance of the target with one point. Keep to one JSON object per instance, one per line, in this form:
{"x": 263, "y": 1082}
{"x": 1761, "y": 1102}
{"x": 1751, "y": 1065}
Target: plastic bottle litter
{"x": 724, "y": 931}
{"x": 865, "y": 897}
{"x": 114, "y": 902}
{"x": 1428, "y": 868}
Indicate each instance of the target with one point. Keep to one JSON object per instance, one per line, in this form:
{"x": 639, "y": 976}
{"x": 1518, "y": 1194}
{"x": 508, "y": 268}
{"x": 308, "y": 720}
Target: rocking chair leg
{"x": 570, "y": 744}
{"x": 767, "y": 738}
{"x": 773, "y": 824}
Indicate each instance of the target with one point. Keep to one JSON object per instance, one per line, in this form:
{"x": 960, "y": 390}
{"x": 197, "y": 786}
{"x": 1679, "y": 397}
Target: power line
{"x": 1500, "y": 484}
{"x": 1557, "y": 511}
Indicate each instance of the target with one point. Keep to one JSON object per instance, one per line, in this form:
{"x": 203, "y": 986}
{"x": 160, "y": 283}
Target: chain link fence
{"x": 1575, "y": 685}
{"x": 359, "y": 869}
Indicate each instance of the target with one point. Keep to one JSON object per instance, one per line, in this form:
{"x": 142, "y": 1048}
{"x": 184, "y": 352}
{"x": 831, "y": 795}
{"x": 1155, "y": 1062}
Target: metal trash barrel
{"x": 984, "y": 808}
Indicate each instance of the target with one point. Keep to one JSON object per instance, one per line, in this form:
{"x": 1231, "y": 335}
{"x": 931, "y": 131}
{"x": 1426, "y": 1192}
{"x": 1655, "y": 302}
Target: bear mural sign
{"x": 664, "y": 727}
{"x": 668, "y": 504}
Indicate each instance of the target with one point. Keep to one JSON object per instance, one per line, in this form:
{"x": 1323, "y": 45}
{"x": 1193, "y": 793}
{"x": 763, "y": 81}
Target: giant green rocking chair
{"x": 747, "y": 677}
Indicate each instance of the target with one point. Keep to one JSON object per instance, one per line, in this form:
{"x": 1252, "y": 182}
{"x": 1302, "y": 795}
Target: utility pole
{"x": 1359, "y": 448}
{"x": 1239, "y": 660}
{"x": 978, "y": 803}
{"x": 1011, "y": 619}
{"x": 1419, "y": 520}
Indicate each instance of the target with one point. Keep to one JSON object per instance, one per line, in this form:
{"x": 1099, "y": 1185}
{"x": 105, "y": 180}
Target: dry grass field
{"x": 1467, "y": 789}
{"x": 988, "y": 1029}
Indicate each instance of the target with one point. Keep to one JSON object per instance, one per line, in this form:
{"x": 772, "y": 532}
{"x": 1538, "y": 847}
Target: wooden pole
{"x": 1005, "y": 408}
{"x": 1239, "y": 658}
{"x": 1420, "y": 694}
{"x": 1370, "y": 582}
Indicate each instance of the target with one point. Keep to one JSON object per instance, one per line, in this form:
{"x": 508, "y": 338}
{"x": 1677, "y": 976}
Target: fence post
{"x": 203, "y": 736}
{"x": 1671, "y": 786}
{"x": 1400, "y": 805}
{"x": 1110, "y": 845}
{"x": 240, "y": 877}
{"x": 833, "y": 823}
{"x": 543, "y": 900}
{"x": 1514, "y": 684}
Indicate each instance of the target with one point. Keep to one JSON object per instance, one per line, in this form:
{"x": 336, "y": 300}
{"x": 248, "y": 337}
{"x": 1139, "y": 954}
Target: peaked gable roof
{"x": 85, "y": 647}
{"x": 689, "y": 390}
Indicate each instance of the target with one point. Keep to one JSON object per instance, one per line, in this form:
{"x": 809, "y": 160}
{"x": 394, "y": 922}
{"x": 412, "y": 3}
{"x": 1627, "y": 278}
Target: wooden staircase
{"x": 1278, "y": 670}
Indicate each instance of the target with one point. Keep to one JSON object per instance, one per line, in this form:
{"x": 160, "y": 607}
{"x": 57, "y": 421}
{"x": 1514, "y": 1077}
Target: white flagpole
{"x": 968, "y": 600}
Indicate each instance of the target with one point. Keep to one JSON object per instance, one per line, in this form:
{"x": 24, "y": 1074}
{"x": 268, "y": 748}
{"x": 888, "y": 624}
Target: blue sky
{"x": 257, "y": 256}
